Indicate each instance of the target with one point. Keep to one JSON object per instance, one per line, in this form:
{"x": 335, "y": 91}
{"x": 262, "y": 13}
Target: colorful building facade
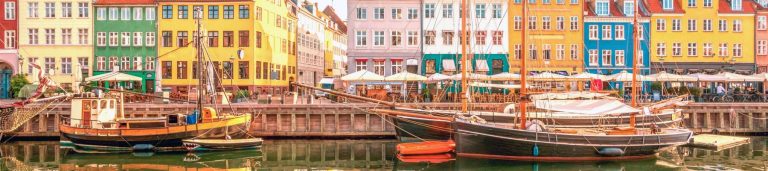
{"x": 336, "y": 41}
{"x": 690, "y": 36}
{"x": 761, "y": 37}
{"x": 9, "y": 56}
{"x": 126, "y": 40}
{"x": 384, "y": 36}
{"x": 311, "y": 49}
{"x": 608, "y": 37}
{"x": 488, "y": 37}
{"x": 57, "y": 36}
{"x": 554, "y": 40}
{"x": 252, "y": 44}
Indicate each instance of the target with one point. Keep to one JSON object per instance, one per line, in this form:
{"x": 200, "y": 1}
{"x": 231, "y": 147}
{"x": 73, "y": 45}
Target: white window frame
{"x": 137, "y": 13}
{"x": 575, "y": 51}
{"x": 32, "y": 10}
{"x": 574, "y": 21}
{"x": 661, "y": 49}
{"x": 361, "y": 37}
{"x": 723, "y": 49}
{"x": 101, "y": 39}
{"x": 559, "y": 52}
{"x": 379, "y": 38}
{"x": 10, "y": 10}
{"x": 125, "y": 39}
{"x": 606, "y": 56}
{"x": 692, "y": 25}
{"x": 737, "y": 25}
{"x": 676, "y": 25}
{"x": 606, "y": 32}
{"x": 661, "y": 24}
{"x": 151, "y": 39}
{"x": 620, "y": 57}
{"x": 137, "y": 38}
{"x": 708, "y": 49}
{"x": 707, "y": 25}
{"x": 677, "y": 49}
{"x": 151, "y": 14}
{"x": 10, "y": 39}
{"x": 762, "y": 23}
{"x": 137, "y": 66}
{"x": 737, "y": 50}
{"x": 693, "y": 49}
{"x": 762, "y": 47}
{"x": 114, "y": 14}
{"x": 619, "y": 29}
{"x": 593, "y": 32}
{"x": 593, "y": 59}
{"x": 125, "y": 14}
{"x": 722, "y": 25}
{"x": 101, "y": 13}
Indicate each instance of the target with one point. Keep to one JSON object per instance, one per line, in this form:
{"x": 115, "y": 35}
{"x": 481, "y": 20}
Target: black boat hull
{"x": 412, "y": 129}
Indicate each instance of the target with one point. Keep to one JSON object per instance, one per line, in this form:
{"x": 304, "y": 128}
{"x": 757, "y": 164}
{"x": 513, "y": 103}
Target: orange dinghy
{"x": 431, "y": 158}
{"x": 426, "y": 147}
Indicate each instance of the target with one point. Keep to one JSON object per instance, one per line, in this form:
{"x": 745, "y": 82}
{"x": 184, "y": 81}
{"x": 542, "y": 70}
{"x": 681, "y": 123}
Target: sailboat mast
{"x": 464, "y": 37}
{"x": 635, "y": 44}
{"x": 523, "y": 71}
{"x": 200, "y": 63}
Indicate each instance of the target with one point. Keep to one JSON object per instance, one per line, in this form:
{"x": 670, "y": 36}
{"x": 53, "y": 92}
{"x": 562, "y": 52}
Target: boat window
{"x": 103, "y": 104}
{"x": 94, "y": 104}
{"x": 111, "y": 104}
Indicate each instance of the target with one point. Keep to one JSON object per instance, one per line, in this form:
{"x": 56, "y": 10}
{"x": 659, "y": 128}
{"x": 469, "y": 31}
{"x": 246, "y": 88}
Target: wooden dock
{"x": 717, "y": 142}
{"x": 726, "y": 117}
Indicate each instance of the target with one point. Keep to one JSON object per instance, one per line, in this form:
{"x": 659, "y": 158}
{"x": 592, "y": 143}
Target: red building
{"x": 9, "y": 39}
{"x": 761, "y": 38}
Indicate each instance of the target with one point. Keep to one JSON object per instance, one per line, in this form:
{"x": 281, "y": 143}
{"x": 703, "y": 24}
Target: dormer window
{"x": 736, "y": 5}
{"x": 762, "y": 2}
{"x": 602, "y": 7}
{"x": 667, "y": 4}
{"x": 629, "y": 9}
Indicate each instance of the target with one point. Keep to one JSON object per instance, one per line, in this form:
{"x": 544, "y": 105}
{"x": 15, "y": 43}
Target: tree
{"x": 17, "y": 82}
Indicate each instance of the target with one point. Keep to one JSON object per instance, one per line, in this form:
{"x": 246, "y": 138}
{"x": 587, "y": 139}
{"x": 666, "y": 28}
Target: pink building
{"x": 8, "y": 46}
{"x": 384, "y": 36}
{"x": 761, "y": 37}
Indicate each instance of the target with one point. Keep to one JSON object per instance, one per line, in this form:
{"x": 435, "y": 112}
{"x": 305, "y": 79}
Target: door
{"x": 5, "y": 83}
{"x": 150, "y": 85}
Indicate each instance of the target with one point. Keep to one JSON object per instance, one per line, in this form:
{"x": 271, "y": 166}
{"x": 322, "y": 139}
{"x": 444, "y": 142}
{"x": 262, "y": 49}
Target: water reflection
{"x": 352, "y": 155}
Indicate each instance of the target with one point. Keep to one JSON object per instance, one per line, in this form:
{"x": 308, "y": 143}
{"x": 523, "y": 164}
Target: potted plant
{"x": 242, "y": 96}
{"x": 696, "y": 93}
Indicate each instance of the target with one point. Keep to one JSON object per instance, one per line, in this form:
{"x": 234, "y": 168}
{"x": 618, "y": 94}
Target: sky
{"x": 339, "y": 5}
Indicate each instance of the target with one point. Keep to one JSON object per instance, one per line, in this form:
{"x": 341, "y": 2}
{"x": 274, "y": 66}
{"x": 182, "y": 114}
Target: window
{"x": 606, "y": 32}
{"x": 593, "y": 32}
{"x": 448, "y": 37}
{"x": 167, "y": 39}
{"x": 113, "y": 39}
{"x": 101, "y": 63}
{"x": 518, "y": 51}
{"x": 82, "y": 36}
{"x": 661, "y": 25}
{"x": 258, "y": 39}
{"x": 532, "y": 51}
{"x": 736, "y": 5}
{"x": 396, "y": 38}
{"x": 413, "y": 38}
{"x": 545, "y": 23}
{"x": 676, "y": 49}
{"x": 360, "y": 38}
{"x": 708, "y": 49}
{"x": 640, "y": 32}
{"x": 601, "y": 8}
{"x": 762, "y": 24}
{"x": 413, "y": 13}
{"x": 66, "y": 36}
{"x": 213, "y": 39}
{"x": 532, "y": 22}
{"x": 150, "y": 13}
{"x": 447, "y": 10}
{"x": 101, "y": 13}
{"x": 574, "y": 21}
{"x": 661, "y": 49}
{"x": 137, "y": 63}
{"x": 245, "y": 38}
{"x": 66, "y": 65}
{"x": 619, "y": 57}
{"x": 707, "y": 3}
{"x": 518, "y": 23}
{"x": 479, "y": 10}
{"x": 182, "y": 38}
{"x": 125, "y": 14}
{"x": 125, "y": 39}
{"x": 691, "y": 3}
{"x": 575, "y": 52}
{"x": 560, "y": 23}
{"x": 629, "y": 8}
{"x": 150, "y": 39}
{"x": 66, "y": 9}
{"x": 691, "y": 25}
{"x": 497, "y": 11}
{"x": 125, "y": 63}
{"x": 83, "y": 8}
{"x": 378, "y": 13}
{"x": 229, "y": 13}
{"x": 707, "y": 25}
{"x": 181, "y": 71}
{"x": 31, "y": 61}
{"x": 762, "y": 47}
{"x": 606, "y": 57}
{"x": 737, "y": 50}
{"x": 723, "y": 49}
{"x": 137, "y": 38}
{"x": 257, "y": 74}
{"x": 10, "y": 39}
{"x": 736, "y": 25}
{"x": 228, "y": 39}
{"x": 397, "y": 13}
{"x": 593, "y": 57}
{"x": 667, "y": 4}
{"x": 243, "y": 69}
{"x": 498, "y": 37}
{"x": 397, "y": 66}
{"x": 167, "y": 11}
{"x": 50, "y": 10}
{"x": 378, "y": 67}
{"x": 244, "y": 11}
{"x": 50, "y": 65}
{"x": 50, "y": 36}
{"x": 32, "y": 11}
{"x": 574, "y": 1}
{"x": 361, "y": 13}
{"x": 722, "y": 25}
{"x": 480, "y": 37}
{"x": 265, "y": 70}
{"x": 213, "y": 12}
{"x": 692, "y": 49}
{"x": 10, "y": 10}
{"x": 429, "y": 10}
{"x": 559, "y": 51}
{"x": 359, "y": 65}
{"x": 429, "y": 39}
{"x": 619, "y": 32}
{"x": 183, "y": 12}
{"x": 150, "y": 63}
{"x": 675, "y": 24}
{"x": 32, "y": 36}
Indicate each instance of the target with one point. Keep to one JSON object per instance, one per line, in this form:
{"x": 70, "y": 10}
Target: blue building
{"x": 608, "y": 40}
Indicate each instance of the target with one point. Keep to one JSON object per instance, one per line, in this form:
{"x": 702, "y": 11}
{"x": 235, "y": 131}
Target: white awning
{"x": 664, "y": 76}
{"x": 438, "y": 77}
{"x": 481, "y": 65}
{"x": 739, "y": 78}
{"x": 363, "y": 75}
{"x": 708, "y": 78}
{"x": 405, "y": 76}
{"x": 505, "y": 76}
{"x": 113, "y": 76}
{"x": 488, "y": 85}
{"x": 586, "y": 107}
{"x": 448, "y": 65}
{"x": 326, "y": 80}
{"x": 568, "y": 95}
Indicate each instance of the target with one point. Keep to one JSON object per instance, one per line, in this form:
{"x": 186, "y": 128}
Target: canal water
{"x": 352, "y": 155}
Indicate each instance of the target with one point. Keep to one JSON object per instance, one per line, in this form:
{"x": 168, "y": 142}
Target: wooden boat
{"x": 218, "y": 144}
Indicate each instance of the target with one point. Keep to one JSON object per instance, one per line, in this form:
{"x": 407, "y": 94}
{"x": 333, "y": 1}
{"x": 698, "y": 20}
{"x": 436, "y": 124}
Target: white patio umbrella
{"x": 625, "y": 76}
{"x": 471, "y": 76}
{"x": 548, "y": 76}
{"x": 363, "y": 75}
{"x": 733, "y": 77}
{"x": 405, "y": 76}
{"x": 664, "y": 76}
{"x": 113, "y": 76}
{"x": 708, "y": 78}
{"x": 763, "y": 76}
{"x": 587, "y": 76}
{"x": 504, "y": 76}
{"x": 437, "y": 77}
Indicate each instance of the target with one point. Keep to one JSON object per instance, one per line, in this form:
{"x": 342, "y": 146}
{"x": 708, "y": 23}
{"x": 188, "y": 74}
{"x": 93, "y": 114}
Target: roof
{"x": 747, "y": 7}
{"x": 335, "y": 18}
{"x": 124, "y": 2}
{"x": 654, "y": 7}
{"x": 616, "y": 7}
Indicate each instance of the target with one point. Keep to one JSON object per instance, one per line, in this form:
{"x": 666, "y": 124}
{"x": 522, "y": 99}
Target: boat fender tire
{"x": 535, "y": 125}
{"x": 143, "y": 147}
{"x": 611, "y": 152}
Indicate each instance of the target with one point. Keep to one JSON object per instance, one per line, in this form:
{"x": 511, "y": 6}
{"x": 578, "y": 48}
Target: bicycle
{"x": 722, "y": 98}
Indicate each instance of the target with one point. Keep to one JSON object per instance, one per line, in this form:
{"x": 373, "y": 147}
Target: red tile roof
{"x": 617, "y": 9}
{"x": 747, "y": 7}
{"x": 332, "y": 14}
{"x": 655, "y": 7}
{"x": 124, "y": 2}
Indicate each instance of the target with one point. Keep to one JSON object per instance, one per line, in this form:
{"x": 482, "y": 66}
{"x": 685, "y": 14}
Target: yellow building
{"x": 702, "y": 36}
{"x": 56, "y": 35}
{"x": 554, "y": 36}
{"x": 252, "y": 43}
{"x": 335, "y": 43}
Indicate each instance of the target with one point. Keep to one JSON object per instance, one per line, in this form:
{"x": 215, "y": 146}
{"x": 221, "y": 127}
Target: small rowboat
{"x": 221, "y": 144}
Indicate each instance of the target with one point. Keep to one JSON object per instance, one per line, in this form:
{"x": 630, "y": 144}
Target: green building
{"x": 125, "y": 34}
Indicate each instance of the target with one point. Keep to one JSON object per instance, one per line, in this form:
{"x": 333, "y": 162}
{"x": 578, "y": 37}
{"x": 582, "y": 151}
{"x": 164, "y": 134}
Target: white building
{"x": 311, "y": 49}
